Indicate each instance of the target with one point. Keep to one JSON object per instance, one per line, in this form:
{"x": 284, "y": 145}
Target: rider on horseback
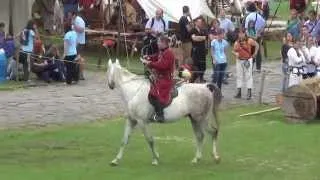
{"x": 162, "y": 67}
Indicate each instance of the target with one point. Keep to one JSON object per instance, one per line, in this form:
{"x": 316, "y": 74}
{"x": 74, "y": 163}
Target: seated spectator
{"x": 2, "y": 35}
{"x": 9, "y": 48}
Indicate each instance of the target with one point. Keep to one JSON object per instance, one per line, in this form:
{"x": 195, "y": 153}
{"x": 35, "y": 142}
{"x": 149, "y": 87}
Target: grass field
{"x": 257, "y": 147}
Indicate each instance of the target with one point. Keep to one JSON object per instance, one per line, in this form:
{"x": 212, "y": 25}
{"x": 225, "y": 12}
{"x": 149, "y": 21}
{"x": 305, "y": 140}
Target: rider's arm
{"x": 162, "y": 64}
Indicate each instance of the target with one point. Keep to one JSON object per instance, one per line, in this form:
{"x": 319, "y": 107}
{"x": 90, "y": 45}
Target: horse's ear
{"x": 109, "y": 62}
{"x": 117, "y": 62}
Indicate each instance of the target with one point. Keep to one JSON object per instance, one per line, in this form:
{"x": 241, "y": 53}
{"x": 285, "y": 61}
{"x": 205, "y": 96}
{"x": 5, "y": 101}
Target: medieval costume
{"x": 162, "y": 84}
{"x": 296, "y": 61}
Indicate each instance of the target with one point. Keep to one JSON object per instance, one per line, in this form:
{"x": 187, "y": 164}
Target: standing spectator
{"x": 154, "y": 27}
{"x": 312, "y": 22}
{"x": 2, "y": 34}
{"x": 294, "y": 24}
{"x": 312, "y": 51}
{"x": 70, "y": 6}
{"x": 213, "y": 30}
{"x": 304, "y": 35}
{"x": 185, "y": 29}
{"x": 80, "y": 26}
{"x": 299, "y": 6}
{"x": 296, "y": 60}
{"x": 198, "y": 52}
{"x": 244, "y": 55}
{"x": 219, "y": 58}
{"x": 225, "y": 23}
{"x": 70, "y": 52}
{"x": 260, "y": 24}
{"x": 157, "y": 25}
{"x": 27, "y": 39}
{"x": 47, "y": 14}
{"x": 287, "y": 44}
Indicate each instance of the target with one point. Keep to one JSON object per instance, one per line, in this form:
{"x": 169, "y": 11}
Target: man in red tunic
{"x": 162, "y": 67}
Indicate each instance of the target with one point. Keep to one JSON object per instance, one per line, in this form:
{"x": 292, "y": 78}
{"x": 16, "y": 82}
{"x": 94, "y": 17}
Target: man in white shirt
{"x": 157, "y": 24}
{"x": 80, "y": 26}
{"x": 154, "y": 27}
{"x": 296, "y": 60}
{"x": 225, "y": 23}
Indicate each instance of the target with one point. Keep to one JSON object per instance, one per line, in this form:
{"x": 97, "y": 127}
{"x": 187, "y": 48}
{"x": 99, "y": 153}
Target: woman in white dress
{"x": 296, "y": 61}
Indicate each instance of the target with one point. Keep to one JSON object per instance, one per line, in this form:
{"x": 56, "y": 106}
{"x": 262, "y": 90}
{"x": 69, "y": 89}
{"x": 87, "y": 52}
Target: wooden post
{"x": 119, "y": 27}
{"x": 17, "y": 64}
{"x": 29, "y": 65}
{"x": 11, "y": 31}
{"x": 263, "y": 77}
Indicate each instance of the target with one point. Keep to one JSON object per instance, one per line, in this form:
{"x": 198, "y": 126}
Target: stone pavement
{"x": 91, "y": 100}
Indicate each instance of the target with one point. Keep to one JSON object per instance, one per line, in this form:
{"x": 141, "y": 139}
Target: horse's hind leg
{"x": 150, "y": 141}
{"x": 199, "y": 134}
{"x": 130, "y": 124}
{"x": 213, "y": 130}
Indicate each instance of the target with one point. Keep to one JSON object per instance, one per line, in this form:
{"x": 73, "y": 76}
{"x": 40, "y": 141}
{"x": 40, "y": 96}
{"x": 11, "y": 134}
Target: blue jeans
{"x": 219, "y": 71}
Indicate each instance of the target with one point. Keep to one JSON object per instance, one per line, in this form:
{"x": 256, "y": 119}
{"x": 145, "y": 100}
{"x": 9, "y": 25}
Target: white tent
{"x": 173, "y": 8}
{"x": 21, "y": 11}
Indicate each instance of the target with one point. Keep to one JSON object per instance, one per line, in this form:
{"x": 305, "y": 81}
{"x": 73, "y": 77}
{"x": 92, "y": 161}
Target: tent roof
{"x": 173, "y": 8}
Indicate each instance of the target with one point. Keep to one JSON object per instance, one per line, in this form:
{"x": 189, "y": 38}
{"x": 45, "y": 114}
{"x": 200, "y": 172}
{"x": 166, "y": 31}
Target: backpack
{"x": 162, "y": 20}
{"x": 23, "y": 37}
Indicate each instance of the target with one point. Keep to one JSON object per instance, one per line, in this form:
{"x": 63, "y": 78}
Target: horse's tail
{"x": 216, "y": 97}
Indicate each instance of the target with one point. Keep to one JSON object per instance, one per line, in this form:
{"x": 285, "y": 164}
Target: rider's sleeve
{"x": 163, "y": 64}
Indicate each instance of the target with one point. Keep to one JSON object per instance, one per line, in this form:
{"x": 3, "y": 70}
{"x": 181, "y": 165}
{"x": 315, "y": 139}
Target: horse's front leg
{"x": 130, "y": 124}
{"x": 150, "y": 141}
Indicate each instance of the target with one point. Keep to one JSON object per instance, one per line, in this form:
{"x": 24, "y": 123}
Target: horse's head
{"x": 111, "y": 73}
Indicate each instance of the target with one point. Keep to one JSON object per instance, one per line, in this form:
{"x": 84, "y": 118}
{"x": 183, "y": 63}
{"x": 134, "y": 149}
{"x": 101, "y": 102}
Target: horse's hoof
{"x": 114, "y": 163}
{"x": 195, "y": 161}
{"x": 155, "y": 163}
{"x": 217, "y": 159}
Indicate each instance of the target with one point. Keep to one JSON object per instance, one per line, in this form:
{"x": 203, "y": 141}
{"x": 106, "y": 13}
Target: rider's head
{"x": 159, "y": 13}
{"x": 163, "y": 42}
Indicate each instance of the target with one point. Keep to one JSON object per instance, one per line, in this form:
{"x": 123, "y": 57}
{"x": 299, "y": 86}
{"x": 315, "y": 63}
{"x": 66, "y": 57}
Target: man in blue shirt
{"x": 70, "y": 53}
{"x": 219, "y": 58}
{"x": 260, "y": 24}
{"x": 79, "y": 27}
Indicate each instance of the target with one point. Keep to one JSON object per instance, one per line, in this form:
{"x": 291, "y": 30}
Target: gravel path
{"x": 91, "y": 100}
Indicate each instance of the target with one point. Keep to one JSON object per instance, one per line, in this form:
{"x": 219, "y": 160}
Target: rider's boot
{"x": 158, "y": 116}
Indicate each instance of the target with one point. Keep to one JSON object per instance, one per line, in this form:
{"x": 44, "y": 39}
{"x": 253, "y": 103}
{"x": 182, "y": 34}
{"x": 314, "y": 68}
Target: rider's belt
{"x": 296, "y": 70}
{"x": 244, "y": 59}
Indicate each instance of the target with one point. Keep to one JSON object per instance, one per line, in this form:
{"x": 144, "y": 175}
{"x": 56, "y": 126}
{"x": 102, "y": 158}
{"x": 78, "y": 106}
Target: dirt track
{"x": 92, "y": 100}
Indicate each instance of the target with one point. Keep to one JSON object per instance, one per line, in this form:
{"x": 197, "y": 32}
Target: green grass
{"x": 256, "y": 147}
{"x": 11, "y": 85}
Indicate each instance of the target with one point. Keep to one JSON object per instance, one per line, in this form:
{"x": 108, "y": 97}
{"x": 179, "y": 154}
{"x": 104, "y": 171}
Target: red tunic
{"x": 163, "y": 67}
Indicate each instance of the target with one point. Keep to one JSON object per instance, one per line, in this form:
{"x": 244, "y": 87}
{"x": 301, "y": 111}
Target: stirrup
{"x": 157, "y": 118}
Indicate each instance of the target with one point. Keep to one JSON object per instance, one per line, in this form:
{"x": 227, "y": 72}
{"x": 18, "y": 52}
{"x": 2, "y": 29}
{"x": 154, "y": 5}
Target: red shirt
{"x": 164, "y": 69}
{"x": 86, "y": 3}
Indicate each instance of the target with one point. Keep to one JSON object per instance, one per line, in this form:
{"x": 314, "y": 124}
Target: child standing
{"x": 219, "y": 58}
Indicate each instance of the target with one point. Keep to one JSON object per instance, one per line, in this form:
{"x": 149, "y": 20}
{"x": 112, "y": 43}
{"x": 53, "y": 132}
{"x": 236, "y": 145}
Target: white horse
{"x": 199, "y": 102}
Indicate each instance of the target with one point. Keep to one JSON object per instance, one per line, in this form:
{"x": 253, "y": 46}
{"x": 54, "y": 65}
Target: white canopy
{"x": 173, "y": 8}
